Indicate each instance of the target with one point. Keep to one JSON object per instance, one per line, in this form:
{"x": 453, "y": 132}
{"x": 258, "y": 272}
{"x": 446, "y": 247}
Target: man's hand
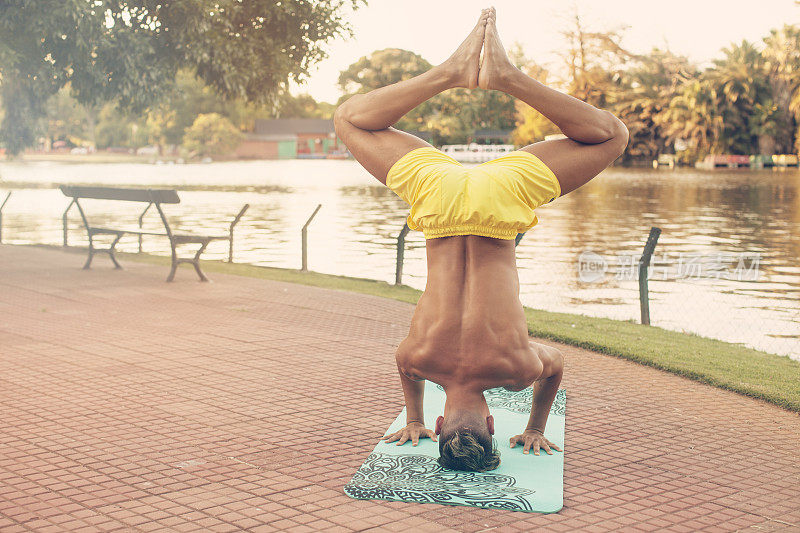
{"x": 413, "y": 431}
{"x": 533, "y": 438}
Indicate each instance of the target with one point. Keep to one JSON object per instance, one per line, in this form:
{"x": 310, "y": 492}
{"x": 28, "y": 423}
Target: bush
{"x": 212, "y": 134}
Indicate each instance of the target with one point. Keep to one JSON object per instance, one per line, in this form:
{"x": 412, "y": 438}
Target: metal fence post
{"x": 644, "y": 263}
{"x": 304, "y": 235}
{"x": 401, "y": 252}
{"x": 233, "y": 225}
{"x": 141, "y": 222}
{"x": 65, "y": 223}
{"x": 1, "y": 215}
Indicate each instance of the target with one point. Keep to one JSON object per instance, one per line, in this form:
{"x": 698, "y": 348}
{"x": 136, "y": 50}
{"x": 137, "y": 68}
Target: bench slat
{"x": 163, "y": 196}
{"x": 127, "y": 229}
{"x": 184, "y": 237}
{"x": 189, "y": 237}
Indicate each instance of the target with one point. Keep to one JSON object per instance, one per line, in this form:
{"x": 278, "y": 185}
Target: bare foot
{"x": 495, "y": 66}
{"x": 463, "y": 65}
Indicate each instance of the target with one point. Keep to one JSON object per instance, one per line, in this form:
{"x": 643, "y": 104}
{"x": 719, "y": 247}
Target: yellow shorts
{"x": 494, "y": 199}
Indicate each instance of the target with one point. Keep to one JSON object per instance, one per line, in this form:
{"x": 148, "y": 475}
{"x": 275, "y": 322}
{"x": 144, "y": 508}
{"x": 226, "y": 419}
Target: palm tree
{"x": 645, "y": 91}
{"x": 740, "y": 82}
{"x": 717, "y": 112}
{"x": 782, "y": 62}
{"x": 794, "y": 106}
{"x": 693, "y": 116}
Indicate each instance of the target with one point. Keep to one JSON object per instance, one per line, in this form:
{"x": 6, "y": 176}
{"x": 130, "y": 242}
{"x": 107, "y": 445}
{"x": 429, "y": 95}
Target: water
{"x": 716, "y": 214}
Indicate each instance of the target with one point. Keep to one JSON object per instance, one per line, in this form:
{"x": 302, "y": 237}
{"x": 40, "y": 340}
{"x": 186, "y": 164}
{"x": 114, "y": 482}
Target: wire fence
{"x": 720, "y": 295}
{"x": 735, "y": 297}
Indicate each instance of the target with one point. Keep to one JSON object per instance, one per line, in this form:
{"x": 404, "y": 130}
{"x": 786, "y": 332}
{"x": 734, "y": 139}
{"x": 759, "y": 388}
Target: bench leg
{"x": 87, "y": 265}
{"x": 111, "y": 251}
{"x": 172, "y": 270}
{"x": 196, "y": 262}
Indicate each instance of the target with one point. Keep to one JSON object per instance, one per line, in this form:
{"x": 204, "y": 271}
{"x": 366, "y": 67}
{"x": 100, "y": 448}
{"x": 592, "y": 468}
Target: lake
{"x": 727, "y": 264}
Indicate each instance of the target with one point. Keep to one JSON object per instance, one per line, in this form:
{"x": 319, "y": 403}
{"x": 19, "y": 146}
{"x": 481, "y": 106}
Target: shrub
{"x": 212, "y": 134}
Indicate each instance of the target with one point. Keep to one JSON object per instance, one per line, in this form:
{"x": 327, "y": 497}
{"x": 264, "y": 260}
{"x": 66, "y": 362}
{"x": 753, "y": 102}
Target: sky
{"x": 698, "y": 29}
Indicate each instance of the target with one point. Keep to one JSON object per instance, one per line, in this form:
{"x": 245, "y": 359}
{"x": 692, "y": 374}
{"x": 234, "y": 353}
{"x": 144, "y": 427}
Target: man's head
{"x": 466, "y": 443}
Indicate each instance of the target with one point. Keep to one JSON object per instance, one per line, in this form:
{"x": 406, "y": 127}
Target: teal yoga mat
{"x": 528, "y": 483}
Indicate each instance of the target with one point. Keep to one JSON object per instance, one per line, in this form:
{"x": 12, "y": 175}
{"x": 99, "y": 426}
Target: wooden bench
{"x": 153, "y": 197}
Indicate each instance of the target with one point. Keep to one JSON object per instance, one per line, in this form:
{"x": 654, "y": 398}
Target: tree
{"x": 188, "y": 97}
{"x": 21, "y": 117}
{"x": 451, "y": 117}
{"x": 723, "y": 109}
{"x": 646, "y": 89}
{"x": 130, "y": 50}
{"x": 602, "y": 72}
{"x": 113, "y": 128}
{"x": 301, "y": 106}
{"x": 740, "y": 85}
{"x": 68, "y": 120}
{"x": 781, "y": 114}
{"x": 693, "y": 117}
{"x": 212, "y": 135}
{"x": 454, "y": 115}
{"x": 594, "y": 61}
{"x": 168, "y": 119}
{"x": 382, "y": 68}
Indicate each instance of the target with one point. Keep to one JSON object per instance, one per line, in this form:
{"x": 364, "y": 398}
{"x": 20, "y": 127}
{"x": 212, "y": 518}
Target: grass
{"x": 772, "y": 378}
{"x": 762, "y": 375}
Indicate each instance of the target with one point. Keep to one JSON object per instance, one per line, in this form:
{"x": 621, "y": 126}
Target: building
{"x": 289, "y": 138}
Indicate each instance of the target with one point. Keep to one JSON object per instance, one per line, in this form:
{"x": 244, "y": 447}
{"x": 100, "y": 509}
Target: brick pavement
{"x": 129, "y": 403}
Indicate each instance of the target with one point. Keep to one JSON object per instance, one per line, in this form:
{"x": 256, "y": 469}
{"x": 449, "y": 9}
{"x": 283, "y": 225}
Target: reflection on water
{"x": 711, "y": 213}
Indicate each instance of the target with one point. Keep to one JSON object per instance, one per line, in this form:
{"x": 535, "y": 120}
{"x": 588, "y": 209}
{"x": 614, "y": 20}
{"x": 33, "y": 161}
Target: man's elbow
{"x": 340, "y": 120}
{"x": 621, "y": 136}
{"x": 344, "y": 112}
{"x": 557, "y": 362}
{"x": 618, "y": 134}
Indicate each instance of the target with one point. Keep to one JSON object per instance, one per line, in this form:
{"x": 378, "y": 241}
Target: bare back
{"x": 469, "y": 325}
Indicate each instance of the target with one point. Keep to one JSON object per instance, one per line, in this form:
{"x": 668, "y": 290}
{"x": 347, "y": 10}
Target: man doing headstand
{"x": 469, "y": 332}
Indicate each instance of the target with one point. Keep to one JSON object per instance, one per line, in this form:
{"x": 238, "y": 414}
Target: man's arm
{"x": 544, "y": 393}
{"x": 546, "y": 387}
{"x": 413, "y": 390}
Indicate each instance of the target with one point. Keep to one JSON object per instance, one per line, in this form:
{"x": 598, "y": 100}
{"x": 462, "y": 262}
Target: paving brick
{"x": 132, "y": 404}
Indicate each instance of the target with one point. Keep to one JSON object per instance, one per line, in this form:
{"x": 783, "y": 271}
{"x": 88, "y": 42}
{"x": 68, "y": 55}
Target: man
{"x": 469, "y": 332}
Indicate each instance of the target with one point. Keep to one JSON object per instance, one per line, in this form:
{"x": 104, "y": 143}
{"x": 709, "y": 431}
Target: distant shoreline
{"x": 98, "y": 157}
{"x": 103, "y": 157}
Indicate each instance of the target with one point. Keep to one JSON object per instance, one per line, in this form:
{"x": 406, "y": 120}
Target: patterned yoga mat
{"x": 529, "y": 483}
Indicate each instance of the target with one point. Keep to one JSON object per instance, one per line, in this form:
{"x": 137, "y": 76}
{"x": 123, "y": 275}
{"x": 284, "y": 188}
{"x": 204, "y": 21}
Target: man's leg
{"x": 363, "y": 121}
{"x": 595, "y": 138}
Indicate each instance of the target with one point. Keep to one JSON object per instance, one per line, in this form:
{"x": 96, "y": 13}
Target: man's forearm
{"x": 576, "y": 119}
{"x": 413, "y": 392}
{"x": 382, "y": 107}
{"x": 544, "y": 393}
